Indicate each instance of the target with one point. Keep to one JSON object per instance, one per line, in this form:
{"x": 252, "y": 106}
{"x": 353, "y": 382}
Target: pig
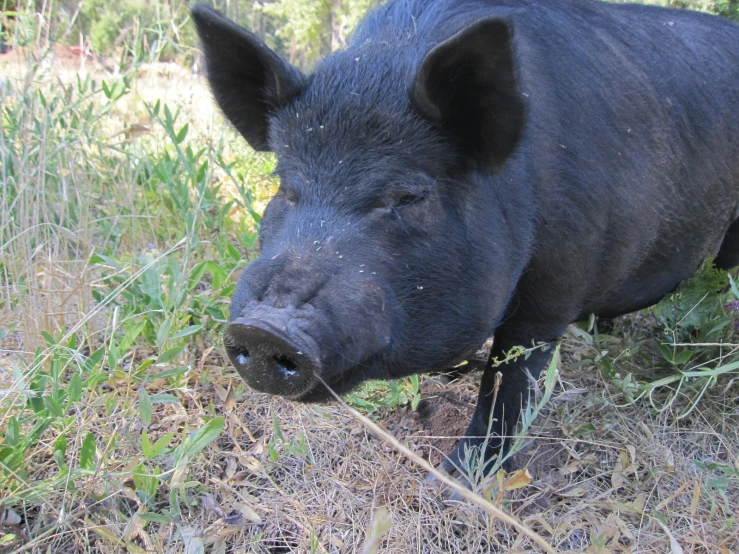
{"x": 474, "y": 168}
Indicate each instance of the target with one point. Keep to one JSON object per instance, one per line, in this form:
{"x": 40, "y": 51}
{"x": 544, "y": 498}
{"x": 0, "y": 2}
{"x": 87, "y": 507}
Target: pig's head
{"x": 385, "y": 252}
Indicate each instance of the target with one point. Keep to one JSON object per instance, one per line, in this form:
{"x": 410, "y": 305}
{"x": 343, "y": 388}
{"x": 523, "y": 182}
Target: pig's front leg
{"x": 505, "y": 405}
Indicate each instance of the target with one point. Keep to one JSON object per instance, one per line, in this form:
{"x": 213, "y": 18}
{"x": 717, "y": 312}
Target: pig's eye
{"x": 408, "y": 200}
{"x": 290, "y": 195}
{"x": 397, "y": 201}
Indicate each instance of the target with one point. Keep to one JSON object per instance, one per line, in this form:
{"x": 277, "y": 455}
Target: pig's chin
{"x": 340, "y": 384}
{"x": 317, "y": 395}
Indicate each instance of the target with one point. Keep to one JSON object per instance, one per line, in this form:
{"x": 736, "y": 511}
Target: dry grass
{"x": 284, "y": 477}
{"x": 631, "y": 488}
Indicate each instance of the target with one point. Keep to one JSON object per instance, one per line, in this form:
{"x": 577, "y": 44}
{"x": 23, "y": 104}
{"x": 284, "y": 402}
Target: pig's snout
{"x": 270, "y": 358}
{"x": 298, "y": 323}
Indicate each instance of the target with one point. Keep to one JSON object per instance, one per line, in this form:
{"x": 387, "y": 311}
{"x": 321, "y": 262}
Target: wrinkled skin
{"x": 472, "y": 168}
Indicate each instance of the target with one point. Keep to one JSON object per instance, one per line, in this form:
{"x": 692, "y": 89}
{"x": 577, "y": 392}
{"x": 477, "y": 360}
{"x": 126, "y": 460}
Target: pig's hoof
{"x": 446, "y": 494}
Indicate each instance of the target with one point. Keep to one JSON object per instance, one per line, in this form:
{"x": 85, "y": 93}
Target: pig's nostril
{"x": 241, "y": 355}
{"x": 285, "y": 365}
{"x": 238, "y": 353}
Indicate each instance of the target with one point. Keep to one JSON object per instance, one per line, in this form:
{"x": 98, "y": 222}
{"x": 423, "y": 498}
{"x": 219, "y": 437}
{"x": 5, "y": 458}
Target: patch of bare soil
{"x": 440, "y": 420}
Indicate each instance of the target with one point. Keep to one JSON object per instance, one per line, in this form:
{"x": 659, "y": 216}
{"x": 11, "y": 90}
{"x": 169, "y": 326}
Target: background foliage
{"x": 301, "y": 30}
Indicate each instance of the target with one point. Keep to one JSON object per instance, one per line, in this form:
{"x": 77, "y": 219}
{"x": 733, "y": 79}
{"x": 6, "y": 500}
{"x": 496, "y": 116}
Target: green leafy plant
{"x": 151, "y": 307}
{"x": 694, "y": 350}
{"x": 373, "y": 396}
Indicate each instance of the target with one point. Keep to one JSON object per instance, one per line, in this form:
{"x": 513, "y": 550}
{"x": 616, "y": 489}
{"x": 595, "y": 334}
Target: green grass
{"x": 691, "y": 348}
{"x": 120, "y": 234}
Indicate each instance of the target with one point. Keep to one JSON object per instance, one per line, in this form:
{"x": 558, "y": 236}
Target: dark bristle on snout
{"x": 269, "y": 359}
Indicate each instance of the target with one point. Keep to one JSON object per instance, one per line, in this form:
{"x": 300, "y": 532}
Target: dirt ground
{"x": 442, "y": 416}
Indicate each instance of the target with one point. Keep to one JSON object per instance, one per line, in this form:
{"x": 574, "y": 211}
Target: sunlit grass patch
{"x": 121, "y": 228}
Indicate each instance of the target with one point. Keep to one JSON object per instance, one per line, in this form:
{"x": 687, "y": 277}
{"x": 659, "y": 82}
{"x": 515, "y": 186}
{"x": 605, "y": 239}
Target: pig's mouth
{"x": 341, "y": 383}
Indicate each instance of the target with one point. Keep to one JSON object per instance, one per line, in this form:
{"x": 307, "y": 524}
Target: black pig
{"x": 472, "y": 167}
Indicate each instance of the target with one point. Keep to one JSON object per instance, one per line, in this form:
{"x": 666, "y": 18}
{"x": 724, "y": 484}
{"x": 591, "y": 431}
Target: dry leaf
{"x": 219, "y": 532}
{"x": 381, "y": 523}
{"x": 240, "y": 477}
{"x": 639, "y": 502}
{"x": 235, "y": 425}
{"x": 675, "y": 547}
{"x": 132, "y": 131}
{"x": 230, "y": 403}
{"x": 672, "y": 497}
{"x": 148, "y": 543}
{"x": 632, "y": 453}
{"x": 669, "y": 459}
{"x": 231, "y": 468}
{"x": 572, "y": 467}
{"x": 248, "y": 512}
{"x": 210, "y": 504}
{"x": 192, "y": 541}
{"x": 336, "y": 542}
{"x": 541, "y": 521}
{"x": 220, "y": 391}
{"x": 696, "y": 498}
{"x": 623, "y": 527}
{"x": 203, "y": 358}
{"x": 517, "y": 480}
{"x": 9, "y": 517}
{"x": 178, "y": 476}
{"x": 136, "y": 129}
{"x": 589, "y": 459}
{"x": 623, "y": 457}
{"x": 575, "y": 492}
{"x": 134, "y": 526}
{"x": 250, "y": 462}
{"x": 647, "y": 431}
{"x": 617, "y": 479}
{"x": 102, "y": 531}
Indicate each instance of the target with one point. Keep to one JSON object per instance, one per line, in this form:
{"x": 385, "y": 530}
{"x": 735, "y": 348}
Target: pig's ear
{"x": 249, "y": 81}
{"x": 467, "y": 85}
